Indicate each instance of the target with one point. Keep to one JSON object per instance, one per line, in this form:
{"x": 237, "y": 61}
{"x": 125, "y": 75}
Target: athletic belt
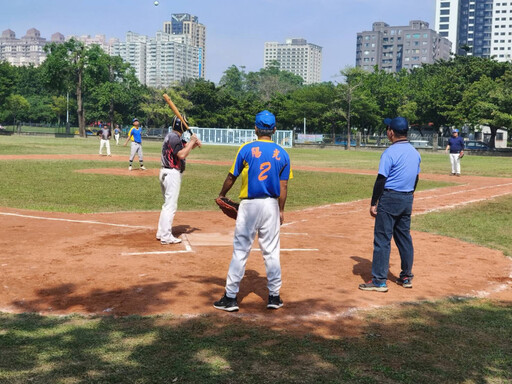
{"x": 405, "y": 193}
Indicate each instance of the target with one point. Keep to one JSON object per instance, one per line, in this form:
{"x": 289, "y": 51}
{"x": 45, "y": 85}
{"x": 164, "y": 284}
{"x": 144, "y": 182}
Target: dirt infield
{"x": 111, "y": 263}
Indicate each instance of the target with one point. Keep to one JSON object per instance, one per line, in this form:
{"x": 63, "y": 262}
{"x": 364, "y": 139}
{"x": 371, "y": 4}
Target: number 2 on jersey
{"x": 264, "y": 167}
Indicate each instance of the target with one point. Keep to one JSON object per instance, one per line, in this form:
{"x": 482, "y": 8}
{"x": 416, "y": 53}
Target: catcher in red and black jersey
{"x": 174, "y": 152}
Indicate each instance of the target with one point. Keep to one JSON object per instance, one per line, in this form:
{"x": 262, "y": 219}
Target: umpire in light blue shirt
{"x": 391, "y": 206}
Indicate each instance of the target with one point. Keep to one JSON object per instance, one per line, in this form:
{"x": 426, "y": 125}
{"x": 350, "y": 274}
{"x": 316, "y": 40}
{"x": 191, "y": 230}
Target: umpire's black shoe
{"x": 274, "y": 302}
{"x": 227, "y": 304}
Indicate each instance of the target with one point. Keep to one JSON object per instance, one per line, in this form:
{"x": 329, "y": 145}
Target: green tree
{"x": 17, "y": 107}
{"x": 487, "y": 102}
{"x": 64, "y": 70}
{"x": 59, "y": 107}
{"x": 7, "y": 77}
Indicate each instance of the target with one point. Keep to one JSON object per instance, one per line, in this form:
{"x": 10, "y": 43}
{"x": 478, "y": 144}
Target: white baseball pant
{"x": 105, "y": 143}
{"x": 170, "y": 183}
{"x": 259, "y": 216}
{"x": 455, "y": 160}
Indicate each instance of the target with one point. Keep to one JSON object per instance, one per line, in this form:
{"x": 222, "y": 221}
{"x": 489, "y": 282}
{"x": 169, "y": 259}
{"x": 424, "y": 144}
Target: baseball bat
{"x": 176, "y": 111}
{"x": 178, "y": 114}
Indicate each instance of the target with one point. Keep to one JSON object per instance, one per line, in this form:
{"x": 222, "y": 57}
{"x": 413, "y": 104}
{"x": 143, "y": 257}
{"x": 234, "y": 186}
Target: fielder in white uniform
{"x": 265, "y": 169}
{"x": 174, "y": 153}
{"x": 105, "y": 136}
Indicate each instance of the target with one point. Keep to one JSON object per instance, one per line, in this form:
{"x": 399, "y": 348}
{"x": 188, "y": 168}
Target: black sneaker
{"x": 274, "y": 302}
{"x": 405, "y": 282}
{"x": 226, "y": 304}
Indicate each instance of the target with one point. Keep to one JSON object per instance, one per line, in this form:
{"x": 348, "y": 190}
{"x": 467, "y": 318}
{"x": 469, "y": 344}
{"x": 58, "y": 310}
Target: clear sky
{"x": 236, "y": 30}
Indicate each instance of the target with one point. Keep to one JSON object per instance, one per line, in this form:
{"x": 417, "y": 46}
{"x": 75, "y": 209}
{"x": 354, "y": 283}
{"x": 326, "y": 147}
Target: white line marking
{"x": 185, "y": 242}
{"x": 292, "y": 250}
{"x": 154, "y": 253}
{"x": 462, "y": 203}
{"x": 294, "y": 234}
{"x": 74, "y": 221}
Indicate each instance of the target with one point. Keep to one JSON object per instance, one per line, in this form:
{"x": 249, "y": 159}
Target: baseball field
{"x": 87, "y": 294}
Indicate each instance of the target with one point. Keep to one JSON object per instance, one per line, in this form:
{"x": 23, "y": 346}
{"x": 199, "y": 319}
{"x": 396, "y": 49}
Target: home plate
{"x": 210, "y": 239}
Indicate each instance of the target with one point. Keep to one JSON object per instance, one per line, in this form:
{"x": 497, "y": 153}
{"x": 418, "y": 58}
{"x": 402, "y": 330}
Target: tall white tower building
{"x": 189, "y": 25}
{"x": 161, "y": 60}
{"x": 477, "y": 27}
{"x": 297, "y": 56}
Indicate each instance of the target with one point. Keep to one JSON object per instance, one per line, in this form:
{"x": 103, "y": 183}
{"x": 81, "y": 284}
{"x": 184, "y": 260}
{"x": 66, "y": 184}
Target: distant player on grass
{"x": 135, "y": 135}
{"x": 105, "y": 135}
{"x": 456, "y": 148}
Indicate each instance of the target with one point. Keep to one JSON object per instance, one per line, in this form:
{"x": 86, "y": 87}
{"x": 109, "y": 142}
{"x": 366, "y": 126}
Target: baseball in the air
{"x": 156, "y": 3}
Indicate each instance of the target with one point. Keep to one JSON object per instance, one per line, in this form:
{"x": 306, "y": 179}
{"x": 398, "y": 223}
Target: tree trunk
{"x": 111, "y": 106}
{"x": 492, "y": 140}
{"x": 80, "y": 105}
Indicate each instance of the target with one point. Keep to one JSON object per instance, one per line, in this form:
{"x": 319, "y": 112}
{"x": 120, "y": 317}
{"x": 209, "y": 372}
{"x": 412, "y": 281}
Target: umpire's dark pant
{"x": 393, "y": 220}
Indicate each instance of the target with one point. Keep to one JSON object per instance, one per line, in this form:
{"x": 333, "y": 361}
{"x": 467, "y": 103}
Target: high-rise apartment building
{"x": 392, "y": 48}
{"x": 297, "y": 56}
{"x": 501, "y": 45}
{"x": 162, "y": 60}
{"x": 188, "y": 25}
{"x": 100, "y": 40}
{"x": 133, "y": 51}
{"x": 480, "y": 28}
{"x": 25, "y": 51}
{"x": 467, "y": 24}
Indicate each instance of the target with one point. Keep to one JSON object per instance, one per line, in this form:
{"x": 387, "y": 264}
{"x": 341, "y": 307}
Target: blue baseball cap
{"x": 134, "y": 120}
{"x": 398, "y": 124}
{"x": 455, "y": 130}
{"x": 265, "y": 120}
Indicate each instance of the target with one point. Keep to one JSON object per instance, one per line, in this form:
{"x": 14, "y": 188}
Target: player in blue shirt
{"x": 456, "y": 148}
{"x": 394, "y": 188}
{"x": 135, "y": 135}
{"x": 265, "y": 170}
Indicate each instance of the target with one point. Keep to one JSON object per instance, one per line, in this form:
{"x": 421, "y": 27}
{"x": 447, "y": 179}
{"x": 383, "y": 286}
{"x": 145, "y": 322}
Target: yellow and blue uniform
{"x": 135, "y": 134}
{"x": 262, "y": 165}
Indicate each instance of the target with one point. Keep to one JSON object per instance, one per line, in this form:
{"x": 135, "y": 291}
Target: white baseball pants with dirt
{"x": 105, "y": 143}
{"x": 256, "y": 216}
{"x": 170, "y": 183}
{"x": 455, "y": 160}
{"x": 135, "y": 148}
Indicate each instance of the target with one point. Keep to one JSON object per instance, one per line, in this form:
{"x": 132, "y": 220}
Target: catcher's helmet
{"x": 177, "y": 124}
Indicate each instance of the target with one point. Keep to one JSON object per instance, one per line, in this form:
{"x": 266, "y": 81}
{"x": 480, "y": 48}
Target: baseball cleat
{"x": 226, "y": 304}
{"x": 174, "y": 240}
{"x": 371, "y": 286}
{"x": 274, "y": 302}
{"x": 143, "y": 168}
{"x": 130, "y": 168}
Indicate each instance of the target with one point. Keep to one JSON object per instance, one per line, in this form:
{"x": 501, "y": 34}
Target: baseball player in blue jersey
{"x": 135, "y": 135}
{"x": 456, "y": 148}
{"x": 174, "y": 153}
{"x": 265, "y": 170}
{"x": 394, "y": 188}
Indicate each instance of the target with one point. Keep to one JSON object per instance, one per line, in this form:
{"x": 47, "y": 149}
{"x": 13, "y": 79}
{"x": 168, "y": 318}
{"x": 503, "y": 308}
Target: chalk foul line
{"x": 75, "y": 221}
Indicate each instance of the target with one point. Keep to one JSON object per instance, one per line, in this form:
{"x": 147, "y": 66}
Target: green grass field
{"x": 449, "y": 341}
